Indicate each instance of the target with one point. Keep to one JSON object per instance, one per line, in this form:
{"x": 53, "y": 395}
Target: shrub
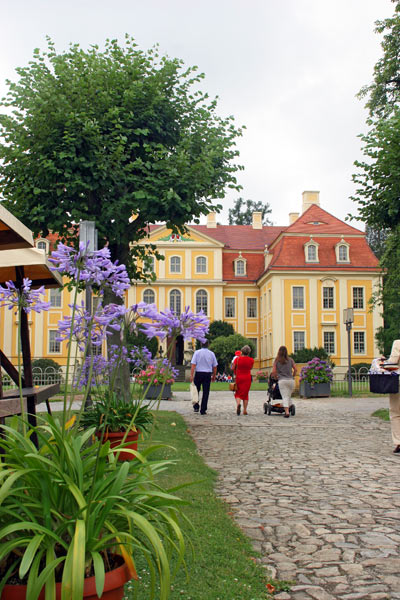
{"x": 306, "y": 354}
{"x": 46, "y": 371}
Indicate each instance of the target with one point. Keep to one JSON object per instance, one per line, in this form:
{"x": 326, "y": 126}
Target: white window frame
{"x": 250, "y": 309}
{"x": 199, "y": 305}
{"x": 233, "y": 301}
{"x": 177, "y": 263}
{"x": 357, "y": 300}
{"x": 175, "y": 294}
{"x": 328, "y": 299}
{"x": 55, "y": 297}
{"x": 96, "y": 350}
{"x": 307, "y": 247}
{"x": 338, "y": 248}
{"x": 296, "y": 345}
{"x": 40, "y": 243}
{"x": 298, "y": 287}
{"x": 53, "y": 333}
{"x": 149, "y": 291}
{"x": 204, "y": 264}
{"x": 328, "y": 344}
{"x": 361, "y": 342}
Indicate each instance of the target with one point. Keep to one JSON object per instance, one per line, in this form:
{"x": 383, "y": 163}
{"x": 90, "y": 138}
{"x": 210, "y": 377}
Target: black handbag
{"x": 384, "y": 384}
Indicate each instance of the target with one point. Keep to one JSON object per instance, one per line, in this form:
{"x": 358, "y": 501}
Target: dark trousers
{"x": 203, "y": 380}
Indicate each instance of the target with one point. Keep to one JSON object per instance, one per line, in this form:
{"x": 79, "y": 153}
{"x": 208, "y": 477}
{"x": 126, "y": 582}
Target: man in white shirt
{"x": 204, "y": 370}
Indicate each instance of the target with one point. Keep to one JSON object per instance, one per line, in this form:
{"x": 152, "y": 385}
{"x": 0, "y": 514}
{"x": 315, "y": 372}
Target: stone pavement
{"x": 318, "y": 493}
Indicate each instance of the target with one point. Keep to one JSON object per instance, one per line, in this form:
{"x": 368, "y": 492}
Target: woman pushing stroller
{"x": 284, "y": 370}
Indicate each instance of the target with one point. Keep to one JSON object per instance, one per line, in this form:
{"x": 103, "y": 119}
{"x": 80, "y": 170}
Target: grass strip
{"x": 223, "y": 566}
{"x": 382, "y": 413}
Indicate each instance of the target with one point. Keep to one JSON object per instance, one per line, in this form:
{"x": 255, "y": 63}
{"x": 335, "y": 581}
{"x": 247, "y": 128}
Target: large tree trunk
{"x": 117, "y": 338}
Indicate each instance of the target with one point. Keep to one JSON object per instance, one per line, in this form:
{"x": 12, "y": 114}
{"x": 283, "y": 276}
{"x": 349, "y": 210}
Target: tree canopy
{"x": 242, "y": 212}
{"x": 121, "y": 136}
{"x": 378, "y": 176}
{"x": 225, "y": 348}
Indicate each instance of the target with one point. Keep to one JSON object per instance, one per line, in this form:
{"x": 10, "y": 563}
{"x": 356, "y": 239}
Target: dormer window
{"x": 311, "y": 251}
{"x": 342, "y": 252}
{"x": 240, "y": 266}
{"x": 42, "y": 245}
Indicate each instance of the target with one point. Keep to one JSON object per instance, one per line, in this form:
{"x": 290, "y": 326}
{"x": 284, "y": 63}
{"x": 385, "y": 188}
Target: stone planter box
{"x": 307, "y": 390}
{"x": 154, "y": 391}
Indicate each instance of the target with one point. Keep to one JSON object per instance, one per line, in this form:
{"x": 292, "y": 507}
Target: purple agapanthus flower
{"x": 25, "y": 297}
{"x": 99, "y": 325}
{"x": 140, "y": 357}
{"x": 95, "y": 269}
{"x": 166, "y": 323}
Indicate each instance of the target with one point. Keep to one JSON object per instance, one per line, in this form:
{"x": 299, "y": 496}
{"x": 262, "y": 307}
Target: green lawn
{"x": 223, "y": 566}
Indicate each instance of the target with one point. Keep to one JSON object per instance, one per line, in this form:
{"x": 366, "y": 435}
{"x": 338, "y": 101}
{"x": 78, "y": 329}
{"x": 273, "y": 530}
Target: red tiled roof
{"x": 238, "y": 237}
{"x": 254, "y": 267}
{"x": 329, "y": 223}
{"x": 289, "y": 254}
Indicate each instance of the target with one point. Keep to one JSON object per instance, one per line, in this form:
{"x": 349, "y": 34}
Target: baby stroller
{"x": 273, "y": 397}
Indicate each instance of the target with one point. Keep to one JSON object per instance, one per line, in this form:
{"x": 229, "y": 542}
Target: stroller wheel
{"x": 265, "y": 408}
{"x": 269, "y": 409}
{"x": 292, "y": 410}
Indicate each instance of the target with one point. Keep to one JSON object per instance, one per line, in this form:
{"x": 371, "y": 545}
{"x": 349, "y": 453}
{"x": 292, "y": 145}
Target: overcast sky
{"x": 289, "y": 70}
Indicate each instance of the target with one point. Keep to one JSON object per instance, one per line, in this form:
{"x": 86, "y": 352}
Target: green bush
{"x": 306, "y": 354}
{"x": 50, "y": 371}
{"x": 225, "y": 348}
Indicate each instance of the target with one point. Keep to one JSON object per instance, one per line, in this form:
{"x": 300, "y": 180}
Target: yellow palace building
{"x": 277, "y": 285}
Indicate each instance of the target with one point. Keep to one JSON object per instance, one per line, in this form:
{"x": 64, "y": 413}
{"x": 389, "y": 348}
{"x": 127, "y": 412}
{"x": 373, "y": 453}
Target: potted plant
{"x": 157, "y": 379}
{"x": 262, "y": 376}
{"x": 118, "y": 421}
{"x": 72, "y": 517}
{"x": 315, "y": 378}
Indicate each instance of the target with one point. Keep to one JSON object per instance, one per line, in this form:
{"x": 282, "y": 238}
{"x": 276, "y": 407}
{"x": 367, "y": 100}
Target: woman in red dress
{"x": 242, "y": 369}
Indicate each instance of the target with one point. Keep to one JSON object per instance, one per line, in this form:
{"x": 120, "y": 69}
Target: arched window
{"x": 175, "y": 264}
{"x": 42, "y": 246}
{"x": 240, "y": 267}
{"x": 175, "y": 302}
{"x": 343, "y": 253}
{"x": 149, "y": 296}
{"x": 201, "y": 264}
{"x": 311, "y": 252}
{"x": 202, "y": 301}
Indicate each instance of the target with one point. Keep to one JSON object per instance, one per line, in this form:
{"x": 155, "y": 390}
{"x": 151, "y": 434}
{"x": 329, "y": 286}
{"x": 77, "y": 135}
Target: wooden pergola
{"x": 19, "y": 259}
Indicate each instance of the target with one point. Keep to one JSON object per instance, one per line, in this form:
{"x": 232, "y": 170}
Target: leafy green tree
{"x": 376, "y": 239}
{"x": 104, "y": 135}
{"x": 218, "y": 329}
{"x": 121, "y": 137}
{"x": 242, "y": 212}
{"x": 224, "y": 349}
{"x": 378, "y": 176}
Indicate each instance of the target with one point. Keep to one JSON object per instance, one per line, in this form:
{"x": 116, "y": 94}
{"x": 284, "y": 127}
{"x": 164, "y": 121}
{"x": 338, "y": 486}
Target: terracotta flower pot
{"x": 113, "y": 587}
{"x": 116, "y": 439}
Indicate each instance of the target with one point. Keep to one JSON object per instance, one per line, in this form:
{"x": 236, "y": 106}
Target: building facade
{"x": 277, "y": 285}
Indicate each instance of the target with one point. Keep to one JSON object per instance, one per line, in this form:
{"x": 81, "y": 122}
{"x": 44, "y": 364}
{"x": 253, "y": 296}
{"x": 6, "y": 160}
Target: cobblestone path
{"x": 319, "y": 493}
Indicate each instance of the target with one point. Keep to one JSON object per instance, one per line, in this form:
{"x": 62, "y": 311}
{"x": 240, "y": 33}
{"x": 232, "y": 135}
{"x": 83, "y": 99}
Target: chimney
{"x": 310, "y": 198}
{"x": 257, "y": 220}
{"x": 293, "y": 217}
{"x": 212, "y": 220}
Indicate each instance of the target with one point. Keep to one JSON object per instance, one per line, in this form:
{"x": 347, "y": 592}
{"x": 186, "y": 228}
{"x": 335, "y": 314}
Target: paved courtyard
{"x": 319, "y": 493}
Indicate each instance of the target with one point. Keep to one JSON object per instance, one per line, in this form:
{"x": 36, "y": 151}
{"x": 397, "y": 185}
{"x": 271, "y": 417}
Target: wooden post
{"x": 26, "y": 358}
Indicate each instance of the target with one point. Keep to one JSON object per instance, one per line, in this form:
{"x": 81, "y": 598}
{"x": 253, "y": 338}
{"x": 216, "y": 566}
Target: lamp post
{"x": 348, "y": 319}
{"x": 88, "y": 235}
